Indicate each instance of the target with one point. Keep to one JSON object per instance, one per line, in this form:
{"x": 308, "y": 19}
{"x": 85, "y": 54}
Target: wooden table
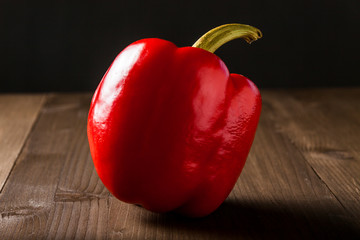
{"x": 301, "y": 179}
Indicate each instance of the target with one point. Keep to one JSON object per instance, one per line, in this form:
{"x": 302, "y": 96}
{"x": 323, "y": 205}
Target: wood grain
{"x": 290, "y": 187}
{"x": 27, "y": 203}
{"x": 81, "y": 199}
{"x": 17, "y": 115}
{"x": 325, "y": 126}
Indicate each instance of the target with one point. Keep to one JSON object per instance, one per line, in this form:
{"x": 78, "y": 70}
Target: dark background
{"x": 68, "y": 45}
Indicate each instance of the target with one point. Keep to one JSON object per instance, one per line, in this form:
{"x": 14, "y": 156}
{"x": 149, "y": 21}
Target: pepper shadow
{"x": 262, "y": 220}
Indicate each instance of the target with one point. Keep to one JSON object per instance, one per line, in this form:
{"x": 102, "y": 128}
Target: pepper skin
{"x": 170, "y": 129}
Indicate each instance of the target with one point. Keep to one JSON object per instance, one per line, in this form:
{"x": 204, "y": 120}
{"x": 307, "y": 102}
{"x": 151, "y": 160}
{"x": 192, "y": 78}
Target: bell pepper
{"x": 170, "y": 128}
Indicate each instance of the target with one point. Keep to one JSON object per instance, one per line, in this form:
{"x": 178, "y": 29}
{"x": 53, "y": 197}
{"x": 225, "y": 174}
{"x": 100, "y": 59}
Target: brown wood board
{"x": 18, "y": 113}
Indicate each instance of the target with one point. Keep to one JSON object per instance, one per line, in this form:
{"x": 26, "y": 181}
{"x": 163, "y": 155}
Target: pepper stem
{"x": 218, "y": 36}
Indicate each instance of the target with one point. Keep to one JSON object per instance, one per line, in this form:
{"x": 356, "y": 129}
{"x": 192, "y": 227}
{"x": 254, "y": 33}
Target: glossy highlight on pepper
{"x": 170, "y": 128}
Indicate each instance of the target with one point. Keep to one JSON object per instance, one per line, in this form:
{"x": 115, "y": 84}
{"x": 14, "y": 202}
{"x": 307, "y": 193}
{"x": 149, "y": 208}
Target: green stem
{"x": 218, "y": 36}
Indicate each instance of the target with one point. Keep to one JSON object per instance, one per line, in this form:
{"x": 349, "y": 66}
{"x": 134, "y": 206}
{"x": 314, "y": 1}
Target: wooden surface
{"x": 301, "y": 179}
{"x": 18, "y": 114}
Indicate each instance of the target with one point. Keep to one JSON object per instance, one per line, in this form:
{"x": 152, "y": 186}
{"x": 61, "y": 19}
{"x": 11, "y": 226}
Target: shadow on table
{"x": 234, "y": 220}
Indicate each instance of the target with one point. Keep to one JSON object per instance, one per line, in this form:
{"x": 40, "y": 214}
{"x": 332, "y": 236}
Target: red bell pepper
{"x": 170, "y": 128}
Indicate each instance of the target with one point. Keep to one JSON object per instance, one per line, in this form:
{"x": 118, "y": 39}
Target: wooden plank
{"x": 27, "y": 202}
{"x": 325, "y": 125}
{"x": 18, "y": 113}
{"x": 81, "y": 199}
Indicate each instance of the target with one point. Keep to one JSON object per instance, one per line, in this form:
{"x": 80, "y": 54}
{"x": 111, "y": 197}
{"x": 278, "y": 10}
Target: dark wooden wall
{"x": 68, "y": 45}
